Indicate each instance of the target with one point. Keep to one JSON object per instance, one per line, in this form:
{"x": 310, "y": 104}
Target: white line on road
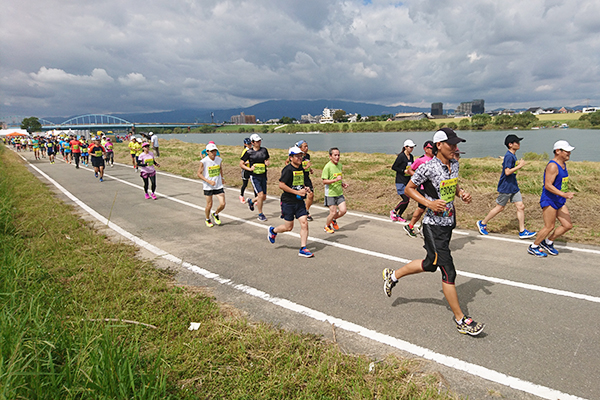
{"x": 473, "y": 369}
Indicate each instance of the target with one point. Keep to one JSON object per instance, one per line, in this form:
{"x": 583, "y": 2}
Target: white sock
{"x": 549, "y": 242}
{"x": 394, "y": 279}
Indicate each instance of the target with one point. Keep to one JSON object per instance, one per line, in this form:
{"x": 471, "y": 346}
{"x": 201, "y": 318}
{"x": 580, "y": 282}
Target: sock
{"x": 411, "y": 226}
{"x": 459, "y": 322}
{"x": 549, "y": 242}
{"x": 394, "y": 279}
{"x": 535, "y": 246}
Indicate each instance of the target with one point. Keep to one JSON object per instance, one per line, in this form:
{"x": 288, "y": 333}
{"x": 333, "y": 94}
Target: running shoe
{"x": 153, "y": 196}
{"x": 467, "y": 326}
{"x": 328, "y": 229}
{"x": 271, "y": 235}
{"x": 147, "y": 196}
{"x": 242, "y": 199}
{"x": 304, "y": 252}
{"x": 400, "y": 219}
{"x": 536, "y": 252}
{"x": 388, "y": 283}
{"x": 410, "y": 231}
{"x": 482, "y": 228}
{"x": 549, "y": 248}
{"x": 208, "y": 223}
{"x": 261, "y": 217}
{"x": 250, "y": 204}
{"x": 101, "y": 180}
{"x": 334, "y": 225}
{"x": 526, "y": 234}
{"x": 95, "y": 174}
{"x": 393, "y": 216}
{"x": 216, "y": 218}
{"x": 309, "y": 218}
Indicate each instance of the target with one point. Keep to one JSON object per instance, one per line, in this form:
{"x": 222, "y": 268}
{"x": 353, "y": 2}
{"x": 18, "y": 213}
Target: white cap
{"x": 139, "y": 140}
{"x": 294, "y": 150}
{"x": 409, "y": 143}
{"x": 151, "y": 133}
{"x": 563, "y": 145}
{"x": 211, "y": 147}
{"x": 255, "y": 137}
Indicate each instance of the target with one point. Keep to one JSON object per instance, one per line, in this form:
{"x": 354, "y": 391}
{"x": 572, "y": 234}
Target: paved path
{"x": 542, "y": 315}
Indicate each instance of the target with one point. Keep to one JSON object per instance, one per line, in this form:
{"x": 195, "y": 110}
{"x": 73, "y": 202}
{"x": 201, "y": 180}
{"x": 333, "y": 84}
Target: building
{"x": 327, "y": 117}
{"x": 243, "y": 119}
{"x": 471, "y": 107}
{"x": 414, "y": 116}
{"x": 309, "y": 119}
{"x": 437, "y": 109}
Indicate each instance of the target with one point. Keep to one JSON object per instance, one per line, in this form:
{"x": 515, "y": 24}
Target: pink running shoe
{"x": 400, "y": 219}
{"x": 393, "y": 216}
{"x": 242, "y": 200}
{"x": 147, "y": 196}
{"x": 153, "y": 196}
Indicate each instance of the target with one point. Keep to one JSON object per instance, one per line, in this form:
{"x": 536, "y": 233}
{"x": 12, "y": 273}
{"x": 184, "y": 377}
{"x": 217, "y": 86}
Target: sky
{"x": 72, "y": 57}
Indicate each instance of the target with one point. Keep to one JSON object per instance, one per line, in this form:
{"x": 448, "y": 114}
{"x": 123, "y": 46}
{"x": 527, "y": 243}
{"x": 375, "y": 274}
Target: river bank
{"x": 372, "y": 190}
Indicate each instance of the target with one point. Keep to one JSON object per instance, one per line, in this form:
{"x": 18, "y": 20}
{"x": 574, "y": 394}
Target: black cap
{"x": 447, "y": 135}
{"x": 428, "y": 144}
{"x": 511, "y": 139}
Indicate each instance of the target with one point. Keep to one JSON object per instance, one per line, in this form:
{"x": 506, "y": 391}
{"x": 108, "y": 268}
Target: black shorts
{"x": 213, "y": 191}
{"x": 289, "y": 211}
{"x": 437, "y": 243}
{"x": 97, "y": 162}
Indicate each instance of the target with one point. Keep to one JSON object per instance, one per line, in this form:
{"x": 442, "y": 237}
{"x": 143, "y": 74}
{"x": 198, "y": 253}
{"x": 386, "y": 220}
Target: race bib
{"x": 260, "y": 168}
{"x": 98, "y": 153}
{"x": 298, "y": 179}
{"x": 150, "y": 161}
{"x": 448, "y": 189}
{"x": 75, "y": 147}
{"x": 335, "y": 175}
{"x": 305, "y": 165}
{"x": 564, "y": 187}
{"x": 214, "y": 171}
{"x": 407, "y": 166}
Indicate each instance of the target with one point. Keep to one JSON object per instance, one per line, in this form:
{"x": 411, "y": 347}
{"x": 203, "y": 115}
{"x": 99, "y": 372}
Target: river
{"x": 478, "y": 144}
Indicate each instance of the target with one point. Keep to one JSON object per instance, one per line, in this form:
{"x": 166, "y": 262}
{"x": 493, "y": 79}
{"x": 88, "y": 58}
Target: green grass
{"x": 59, "y": 281}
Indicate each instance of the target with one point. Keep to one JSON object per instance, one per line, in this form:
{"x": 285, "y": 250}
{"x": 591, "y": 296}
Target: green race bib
{"x": 214, "y": 171}
{"x": 298, "y": 178}
{"x": 260, "y": 168}
{"x": 564, "y": 187}
{"x": 448, "y": 189}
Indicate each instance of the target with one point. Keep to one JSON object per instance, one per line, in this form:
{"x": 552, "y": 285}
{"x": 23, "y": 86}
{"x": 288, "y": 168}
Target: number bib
{"x": 98, "y": 153}
{"x": 260, "y": 168}
{"x": 448, "y": 189}
{"x": 150, "y": 161}
{"x": 214, "y": 171}
{"x": 305, "y": 165}
{"x": 564, "y": 187}
{"x": 298, "y": 180}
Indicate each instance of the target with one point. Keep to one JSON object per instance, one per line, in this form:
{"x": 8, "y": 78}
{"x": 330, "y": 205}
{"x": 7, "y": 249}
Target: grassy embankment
{"x": 60, "y": 280}
{"x": 372, "y": 188}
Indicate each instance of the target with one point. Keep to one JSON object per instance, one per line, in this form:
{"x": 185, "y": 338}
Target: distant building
{"x": 243, "y": 119}
{"x": 327, "y": 117}
{"x": 471, "y": 107}
{"x": 415, "y": 116}
{"x": 309, "y": 119}
{"x": 437, "y": 109}
{"x": 590, "y": 109}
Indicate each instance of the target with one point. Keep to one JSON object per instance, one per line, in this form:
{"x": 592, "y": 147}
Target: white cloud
{"x": 132, "y": 79}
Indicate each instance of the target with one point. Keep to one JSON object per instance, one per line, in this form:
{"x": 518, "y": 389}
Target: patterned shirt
{"x": 439, "y": 182}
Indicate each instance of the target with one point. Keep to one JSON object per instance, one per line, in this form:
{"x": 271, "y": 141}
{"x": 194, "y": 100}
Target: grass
{"x": 60, "y": 280}
{"x": 372, "y": 187}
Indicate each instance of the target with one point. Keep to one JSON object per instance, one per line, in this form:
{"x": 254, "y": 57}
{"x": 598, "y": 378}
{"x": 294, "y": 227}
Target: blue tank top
{"x": 561, "y": 182}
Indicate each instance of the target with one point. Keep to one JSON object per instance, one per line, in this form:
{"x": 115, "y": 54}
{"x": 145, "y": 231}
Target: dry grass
{"x": 372, "y": 189}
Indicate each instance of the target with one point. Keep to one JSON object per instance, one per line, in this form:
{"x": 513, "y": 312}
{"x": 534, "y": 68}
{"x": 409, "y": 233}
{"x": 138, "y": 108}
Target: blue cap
{"x": 300, "y": 143}
{"x": 247, "y": 141}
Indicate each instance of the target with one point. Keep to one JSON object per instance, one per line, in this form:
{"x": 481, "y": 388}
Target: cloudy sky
{"x": 69, "y": 57}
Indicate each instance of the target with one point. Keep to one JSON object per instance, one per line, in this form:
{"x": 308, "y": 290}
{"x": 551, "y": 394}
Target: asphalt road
{"x": 542, "y": 316}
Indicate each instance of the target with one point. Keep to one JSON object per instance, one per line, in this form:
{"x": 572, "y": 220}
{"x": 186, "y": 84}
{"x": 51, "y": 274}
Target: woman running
{"x": 403, "y": 174}
{"x": 146, "y": 162}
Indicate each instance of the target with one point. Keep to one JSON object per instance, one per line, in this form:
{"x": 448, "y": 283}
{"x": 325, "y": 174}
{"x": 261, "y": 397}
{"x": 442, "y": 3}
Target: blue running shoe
{"x": 526, "y": 234}
{"x": 262, "y": 217}
{"x": 482, "y": 228}
{"x": 102, "y": 180}
{"x": 304, "y": 252}
{"x": 250, "y": 204}
{"x": 536, "y": 252}
{"x": 549, "y": 248}
{"x": 271, "y": 235}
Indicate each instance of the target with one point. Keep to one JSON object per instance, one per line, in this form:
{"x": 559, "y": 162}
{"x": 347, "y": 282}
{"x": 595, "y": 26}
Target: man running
{"x": 334, "y": 190}
{"x": 75, "y": 150}
{"x": 555, "y": 193}
{"x": 306, "y": 164}
{"x": 440, "y": 180}
{"x": 245, "y": 173}
{"x": 97, "y": 154}
{"x": 508, "y": 189}
{"x": 410, "y": 228}
{"x": 292, "y": 182}
{"x": 50, "y": 149}
{"x": 133, "y": 148}
{"x": 258, "y": 159}
{"x": 154, "y": 140}
{"x": 211, "y": 174}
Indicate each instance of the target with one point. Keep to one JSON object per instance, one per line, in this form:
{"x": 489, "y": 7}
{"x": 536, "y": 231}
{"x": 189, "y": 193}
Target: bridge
{"x": 97, "y": 122}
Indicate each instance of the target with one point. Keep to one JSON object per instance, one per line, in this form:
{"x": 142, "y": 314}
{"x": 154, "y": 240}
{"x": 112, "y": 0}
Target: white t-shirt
{"x": 154, "y": 140}
{"x": 212, "y": 172}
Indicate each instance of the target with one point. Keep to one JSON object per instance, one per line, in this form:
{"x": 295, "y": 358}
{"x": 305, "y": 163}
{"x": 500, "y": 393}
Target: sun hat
{"x": 139, "y": 140}
{"x": 294, "y": 150}
{"x": 447, "y": 135}
{"x": 409, "y": 143}
{"x": 255, "y": 137}
{"x": 563, "y": 145}
{"x": 511, "y": 139}
{"x": 211, "y": 146}
{"x": 151, "y": 133}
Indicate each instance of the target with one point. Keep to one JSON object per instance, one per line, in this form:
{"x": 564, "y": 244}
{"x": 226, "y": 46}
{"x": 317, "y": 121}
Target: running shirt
{"x": 109, "y": 147}
{"x": 36, "y": 143}
{"x": 212, "y": 172}
{"x": 133, "y": 146}
{"x": 439, "y": 182}
{"x": 402, "y": 162}
{"x": 96, "y": 151}
{"x": 294, "y": 178}
{"x": 561, "y": 182}
{"x": 331, "y": 171}
{"x": 306, "y": 167}
{"x": 149, "y": 161}
{"x": 508, "y": 183}
{"x": 420, "y": 161}
{"x": 75, "y": 146}
{"x": 257, "y": 158}
{"x": 50, "y": 147}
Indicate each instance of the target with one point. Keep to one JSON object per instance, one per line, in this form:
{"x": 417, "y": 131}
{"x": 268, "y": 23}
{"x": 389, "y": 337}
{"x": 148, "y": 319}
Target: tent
{"x": 13, "y": 132}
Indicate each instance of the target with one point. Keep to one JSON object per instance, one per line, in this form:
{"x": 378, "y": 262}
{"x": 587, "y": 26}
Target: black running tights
{"x": 153, "y": 180}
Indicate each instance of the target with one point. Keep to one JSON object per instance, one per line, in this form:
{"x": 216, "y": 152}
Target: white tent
{"x": 4, "y": 132}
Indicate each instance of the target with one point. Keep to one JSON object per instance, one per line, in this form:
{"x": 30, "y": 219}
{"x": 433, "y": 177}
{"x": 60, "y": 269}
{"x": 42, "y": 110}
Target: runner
{"x": 35, "y": 142}
{"x": 43, "y": 146}
{"x": 292, "y": 182}
{"x": 110, "y": 154}
{"x": 147, "y": 171}
{"x": 334, "y": 190}
{"x": 403, "y": 174}
{"x": 211, "y": 174}
{"x": 245, "y": 173}
{"x": 50, "y": 149}
{"x": 258, "y": 159}
{"x": 133, "y": 148}
{"x": 306, "y": 164}
{"x": 508, "y": 189}
{"x": 97, "y": 154}
{"x": 410, "y": 228}
{"x": 440, "y": 179}
{"x": 75, "y": 150}
{"x": 85, "y": 155}
{"x": 66, "y": 143}
{"x": 553, "y": 201}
